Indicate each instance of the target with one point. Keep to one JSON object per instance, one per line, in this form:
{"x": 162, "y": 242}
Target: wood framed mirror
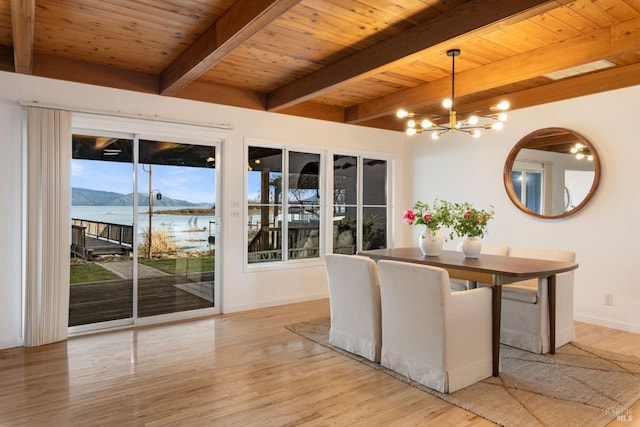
{"x": 552, "y": 173}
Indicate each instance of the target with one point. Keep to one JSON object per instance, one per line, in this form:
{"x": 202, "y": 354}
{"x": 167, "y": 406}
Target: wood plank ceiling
{"x": 352, "y": 61}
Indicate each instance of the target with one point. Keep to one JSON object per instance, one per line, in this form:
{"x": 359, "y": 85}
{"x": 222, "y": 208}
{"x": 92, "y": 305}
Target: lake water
{"x": 189, "y": 232}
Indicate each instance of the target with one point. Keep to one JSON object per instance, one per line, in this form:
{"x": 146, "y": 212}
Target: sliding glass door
{"x": 143, "y": 229}
{"x": 176, "y": 200}
{"x": 102, "y": 229}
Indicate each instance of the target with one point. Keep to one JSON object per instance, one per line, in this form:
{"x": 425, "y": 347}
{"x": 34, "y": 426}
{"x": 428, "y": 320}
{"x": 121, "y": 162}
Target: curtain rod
{"x": 154, "y": 118}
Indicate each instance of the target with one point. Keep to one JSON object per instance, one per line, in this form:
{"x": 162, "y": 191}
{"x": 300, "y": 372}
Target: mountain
{"x": 87, "y": 197}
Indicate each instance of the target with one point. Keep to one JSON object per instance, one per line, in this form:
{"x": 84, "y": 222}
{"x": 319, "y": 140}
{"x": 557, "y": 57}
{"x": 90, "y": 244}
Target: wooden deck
{"x": 113, "y": 299}
{"x": 90, "y": 239}
{"x": 98, "y": 247}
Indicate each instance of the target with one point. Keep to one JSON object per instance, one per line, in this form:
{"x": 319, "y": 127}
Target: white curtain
{"x": 47, "y": 234}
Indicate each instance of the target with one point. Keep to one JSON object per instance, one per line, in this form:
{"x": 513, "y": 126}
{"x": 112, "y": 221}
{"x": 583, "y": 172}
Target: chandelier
{"x": 581, "y": 151}
{"x": 471, "y": 123}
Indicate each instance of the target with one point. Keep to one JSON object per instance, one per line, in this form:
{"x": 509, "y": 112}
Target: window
{"x": 528, "y": 185}
{"x": 359, "y": 204}
{"x": 303, "y": 221}
{"x": 271, "y": 174}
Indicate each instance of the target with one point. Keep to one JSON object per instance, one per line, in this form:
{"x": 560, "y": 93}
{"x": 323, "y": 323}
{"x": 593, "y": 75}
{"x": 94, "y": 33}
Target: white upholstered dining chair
{"x": 525, "y": 306}
{"x": 439, "y": 338}
{"x": 354, "y": 300}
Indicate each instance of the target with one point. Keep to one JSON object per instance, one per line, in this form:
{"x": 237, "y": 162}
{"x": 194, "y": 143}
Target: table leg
{"x": 496, "y": 307}
{"x": 551, "y": 294}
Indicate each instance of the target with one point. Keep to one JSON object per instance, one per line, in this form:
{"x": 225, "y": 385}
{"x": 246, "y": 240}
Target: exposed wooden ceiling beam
{"x": 241, "y": 21}
{"x": 56, "y": 67}
{"x": 22, "y": 24}
{"x": 387, "y": 122}
{"x": 588, "y": 84}
{"x": 470, "y": 19}
{"x": 314, "y": 110}
{"x": 601, "y": 44}
{"x": 206, "y": 91}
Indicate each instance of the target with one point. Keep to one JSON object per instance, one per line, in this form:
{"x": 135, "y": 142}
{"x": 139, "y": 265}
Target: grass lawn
{"x": 181, "y": 265}
{"x": 84, "y": 273}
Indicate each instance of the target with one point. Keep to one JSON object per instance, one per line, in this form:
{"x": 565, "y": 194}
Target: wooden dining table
{"x": 494, "y": 270}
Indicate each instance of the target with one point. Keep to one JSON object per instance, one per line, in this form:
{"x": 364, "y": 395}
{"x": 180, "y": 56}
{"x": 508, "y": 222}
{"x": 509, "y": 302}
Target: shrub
{"x": 161, "y": 242}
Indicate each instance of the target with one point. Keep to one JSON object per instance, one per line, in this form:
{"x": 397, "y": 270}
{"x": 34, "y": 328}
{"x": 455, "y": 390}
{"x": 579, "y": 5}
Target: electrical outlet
{"x": 608, "y": 299}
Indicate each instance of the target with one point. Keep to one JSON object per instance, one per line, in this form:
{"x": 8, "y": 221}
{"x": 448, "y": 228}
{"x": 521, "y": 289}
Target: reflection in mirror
{"x": 552, "y": 173}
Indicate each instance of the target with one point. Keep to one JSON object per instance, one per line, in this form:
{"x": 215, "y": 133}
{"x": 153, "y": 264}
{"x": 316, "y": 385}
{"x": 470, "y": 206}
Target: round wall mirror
{"x": 552, "y": 173}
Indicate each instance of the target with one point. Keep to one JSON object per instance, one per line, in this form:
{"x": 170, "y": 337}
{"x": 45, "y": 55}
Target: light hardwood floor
{"x": 242, "y": 369}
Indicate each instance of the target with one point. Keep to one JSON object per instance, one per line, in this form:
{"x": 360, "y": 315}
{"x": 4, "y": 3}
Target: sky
{"x": 196, "y": 185}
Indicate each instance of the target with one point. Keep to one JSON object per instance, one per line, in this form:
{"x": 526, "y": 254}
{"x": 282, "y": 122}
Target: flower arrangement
{"x": 463, "y": 218}
{"x": 469, "y": 221}
{"x": 433, "y": 216}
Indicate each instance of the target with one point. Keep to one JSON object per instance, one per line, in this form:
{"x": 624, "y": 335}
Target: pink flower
{"x": 467, "y": 215}
{"x": 408, "y": 217}
{"x": 427, "y": 218}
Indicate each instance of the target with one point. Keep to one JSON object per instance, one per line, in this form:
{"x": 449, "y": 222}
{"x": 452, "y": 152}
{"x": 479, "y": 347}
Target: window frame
{"x": 285, "y": 261}
{"x": 360, "y": 206}
{"x": 532, "y": 168}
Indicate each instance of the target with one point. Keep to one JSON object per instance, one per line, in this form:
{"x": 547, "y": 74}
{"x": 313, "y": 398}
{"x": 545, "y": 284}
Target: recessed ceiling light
{"x": 580, "y": 69}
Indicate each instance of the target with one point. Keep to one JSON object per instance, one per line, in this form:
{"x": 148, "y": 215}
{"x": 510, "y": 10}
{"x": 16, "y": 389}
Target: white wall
{"x": 603, "y": 234}
{"x": 10, "y": 226}
{"x": 244, "y": 288}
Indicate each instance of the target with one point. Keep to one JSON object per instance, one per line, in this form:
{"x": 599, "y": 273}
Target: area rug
{"x": 577, "y": 386}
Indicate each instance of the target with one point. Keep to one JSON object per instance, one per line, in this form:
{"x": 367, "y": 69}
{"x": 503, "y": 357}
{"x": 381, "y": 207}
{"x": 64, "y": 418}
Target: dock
{"x": 90, "y": 239}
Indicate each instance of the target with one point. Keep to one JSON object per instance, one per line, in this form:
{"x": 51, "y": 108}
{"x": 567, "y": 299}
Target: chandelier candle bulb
{"x": 581, "y": 152}
{"x": 502, "y": 106}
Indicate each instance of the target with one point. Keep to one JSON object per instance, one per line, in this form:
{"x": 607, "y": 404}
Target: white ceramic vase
{"x": 471, "y": 247}
{"x": 431, "y": 242}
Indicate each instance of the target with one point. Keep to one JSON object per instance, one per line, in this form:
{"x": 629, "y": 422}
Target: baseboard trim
{"x": 607, "y": 323}
{"x": 11, "y": 343}
{"x": 273, "y": 303}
